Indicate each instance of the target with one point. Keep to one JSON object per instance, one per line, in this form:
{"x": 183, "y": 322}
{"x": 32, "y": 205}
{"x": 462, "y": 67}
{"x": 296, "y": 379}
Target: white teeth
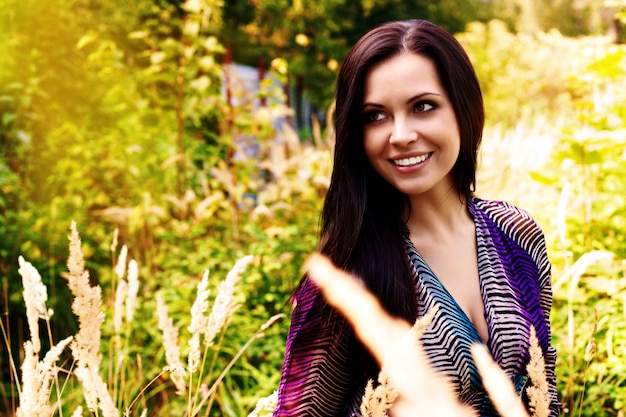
{"x": 411, "y": 161}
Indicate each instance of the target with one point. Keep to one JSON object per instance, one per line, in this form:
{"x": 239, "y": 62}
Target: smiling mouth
{"x": 405, "y": 162}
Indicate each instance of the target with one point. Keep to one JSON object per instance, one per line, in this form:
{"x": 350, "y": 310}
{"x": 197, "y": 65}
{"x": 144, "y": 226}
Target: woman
{"x": 400, "y": 214}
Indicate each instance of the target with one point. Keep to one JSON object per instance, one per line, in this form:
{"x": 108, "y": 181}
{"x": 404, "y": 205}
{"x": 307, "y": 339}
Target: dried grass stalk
{"x": 225, "y": 304}
{"x": 114, "y": 241}
{"x": 538, "y": 392}
{"x": 170, "y": 341}
{"x": 421, "y": 325}
{"x": 265, "y": 406}
{"x": 198, "y": 323}
{"x": 37, "y": 379}
{"x": 120, "y": 268}
{"x": 35, "y": 297}
{"x": 85, "y": 347}
{"x": 120, "y": 296}
{"x": 378, "y": 401}
{"x": 133, "y": 290}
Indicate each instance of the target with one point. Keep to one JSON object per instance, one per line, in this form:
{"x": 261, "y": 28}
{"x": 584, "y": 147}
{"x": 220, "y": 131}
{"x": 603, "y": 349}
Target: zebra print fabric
{"x": 322, "y": 373}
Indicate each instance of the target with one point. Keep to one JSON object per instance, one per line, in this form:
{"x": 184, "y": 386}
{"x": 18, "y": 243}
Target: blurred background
{"x": 201, "y": 131}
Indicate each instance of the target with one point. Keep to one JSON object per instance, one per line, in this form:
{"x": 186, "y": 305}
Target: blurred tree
{"x": 314, "y": 36}
{"x": 616, "y": 9}
{"x": 102, "y": 104}
{"x": 570, "y": 17}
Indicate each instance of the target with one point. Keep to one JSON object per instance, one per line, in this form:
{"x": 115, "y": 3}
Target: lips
{"x": 414, "y": 160}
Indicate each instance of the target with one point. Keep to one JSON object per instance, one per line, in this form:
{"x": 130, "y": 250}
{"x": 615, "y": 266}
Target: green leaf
{"x": 7, "y": 118}
{"x": 542, "y": 178}
{"x": 87, "y": 39}
{"x": 139, "y": 34}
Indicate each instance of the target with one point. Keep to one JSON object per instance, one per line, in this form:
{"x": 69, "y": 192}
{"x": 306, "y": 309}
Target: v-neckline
{"x": 478, "y": 238}
{"x": 453, "y": 300}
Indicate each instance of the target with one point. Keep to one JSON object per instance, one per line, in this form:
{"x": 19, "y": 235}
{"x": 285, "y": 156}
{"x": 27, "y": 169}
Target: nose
{"x": 403, "y": 132}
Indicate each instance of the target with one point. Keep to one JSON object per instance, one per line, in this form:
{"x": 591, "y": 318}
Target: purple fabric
{"x": 319, "y": 377}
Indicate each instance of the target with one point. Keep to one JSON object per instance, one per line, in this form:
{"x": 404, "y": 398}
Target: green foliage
{"x": 313, "y": 37}
{"x": 577, "y": 189}
{"x": 518, "y": 85}
{"x": 589, "y": 334}
{"x": 589, "y": 167}
{"x": 111, "y": 114}
{"x": 571, "y": 17}
{"x": 133, "y": 380}
{"x": 588, "y": 162}
{"x": 154, "y": 151}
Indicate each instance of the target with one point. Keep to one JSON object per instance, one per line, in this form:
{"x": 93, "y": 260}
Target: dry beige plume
{"x": 118, "y": 310}
{"x": 377, "y": 401}
{"x": 170, "y": 342}
{"x": 538, "y": 392}
{"x": 120, "y": 268}
{"x": 133, "y": 290}
{"x": 86, "y": 306}
{"x": 265, "y": 406}
{"x": 126, "y": 292}
{"x": 116, "y": 234}
{"x": 421, "y": 324}
{"x": 35, "y": 297}
{"x": 85, "y": 347}
{"x": 225, "y": 304}
{"x": 121, "y": 291}
{"x": 201, "y": 325}
{"x": 198, "y": 322}
{"x": 37, "y": 378}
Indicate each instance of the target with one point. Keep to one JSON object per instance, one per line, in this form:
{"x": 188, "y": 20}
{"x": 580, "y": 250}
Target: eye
{"x": 373, "y": 116}
{"x": 424, "y": 106}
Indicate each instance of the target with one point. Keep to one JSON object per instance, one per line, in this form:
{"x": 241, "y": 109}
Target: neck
{"x": 438, "y": 218}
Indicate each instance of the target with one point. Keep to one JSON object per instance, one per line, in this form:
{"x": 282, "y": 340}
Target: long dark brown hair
{"x": 362, "y": 224}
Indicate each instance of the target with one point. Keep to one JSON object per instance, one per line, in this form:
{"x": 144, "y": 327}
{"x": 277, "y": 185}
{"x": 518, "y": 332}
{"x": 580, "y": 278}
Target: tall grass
{"x": 589, "y": 283}
{"x": 46, "y": 383}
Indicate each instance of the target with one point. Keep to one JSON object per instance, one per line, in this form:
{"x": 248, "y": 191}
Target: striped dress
{"x": 323, "y": 371}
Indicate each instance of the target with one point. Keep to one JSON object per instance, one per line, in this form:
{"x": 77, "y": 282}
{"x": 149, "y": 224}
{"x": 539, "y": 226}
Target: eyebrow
{"x": 411, "y": 100}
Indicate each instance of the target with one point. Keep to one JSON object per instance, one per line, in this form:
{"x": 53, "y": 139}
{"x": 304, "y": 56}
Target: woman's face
{"x": 411, "y": 135}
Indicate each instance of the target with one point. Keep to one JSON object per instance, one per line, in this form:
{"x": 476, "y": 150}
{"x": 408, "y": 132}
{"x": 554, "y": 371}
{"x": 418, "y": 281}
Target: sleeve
{"x": 317, "y": 377}
{"x": 524, "y": 230}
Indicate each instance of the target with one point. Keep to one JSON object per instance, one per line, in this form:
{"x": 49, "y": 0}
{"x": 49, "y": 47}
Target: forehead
{"x": 408, "y": 72}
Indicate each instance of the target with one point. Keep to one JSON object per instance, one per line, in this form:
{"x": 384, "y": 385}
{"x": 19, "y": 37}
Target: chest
{"x": 492, "y": 284}
{"x": 455, "y": 266}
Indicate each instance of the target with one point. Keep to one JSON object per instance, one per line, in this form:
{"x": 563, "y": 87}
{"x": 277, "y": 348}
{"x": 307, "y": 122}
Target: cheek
{"x": 449, "y": 133}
